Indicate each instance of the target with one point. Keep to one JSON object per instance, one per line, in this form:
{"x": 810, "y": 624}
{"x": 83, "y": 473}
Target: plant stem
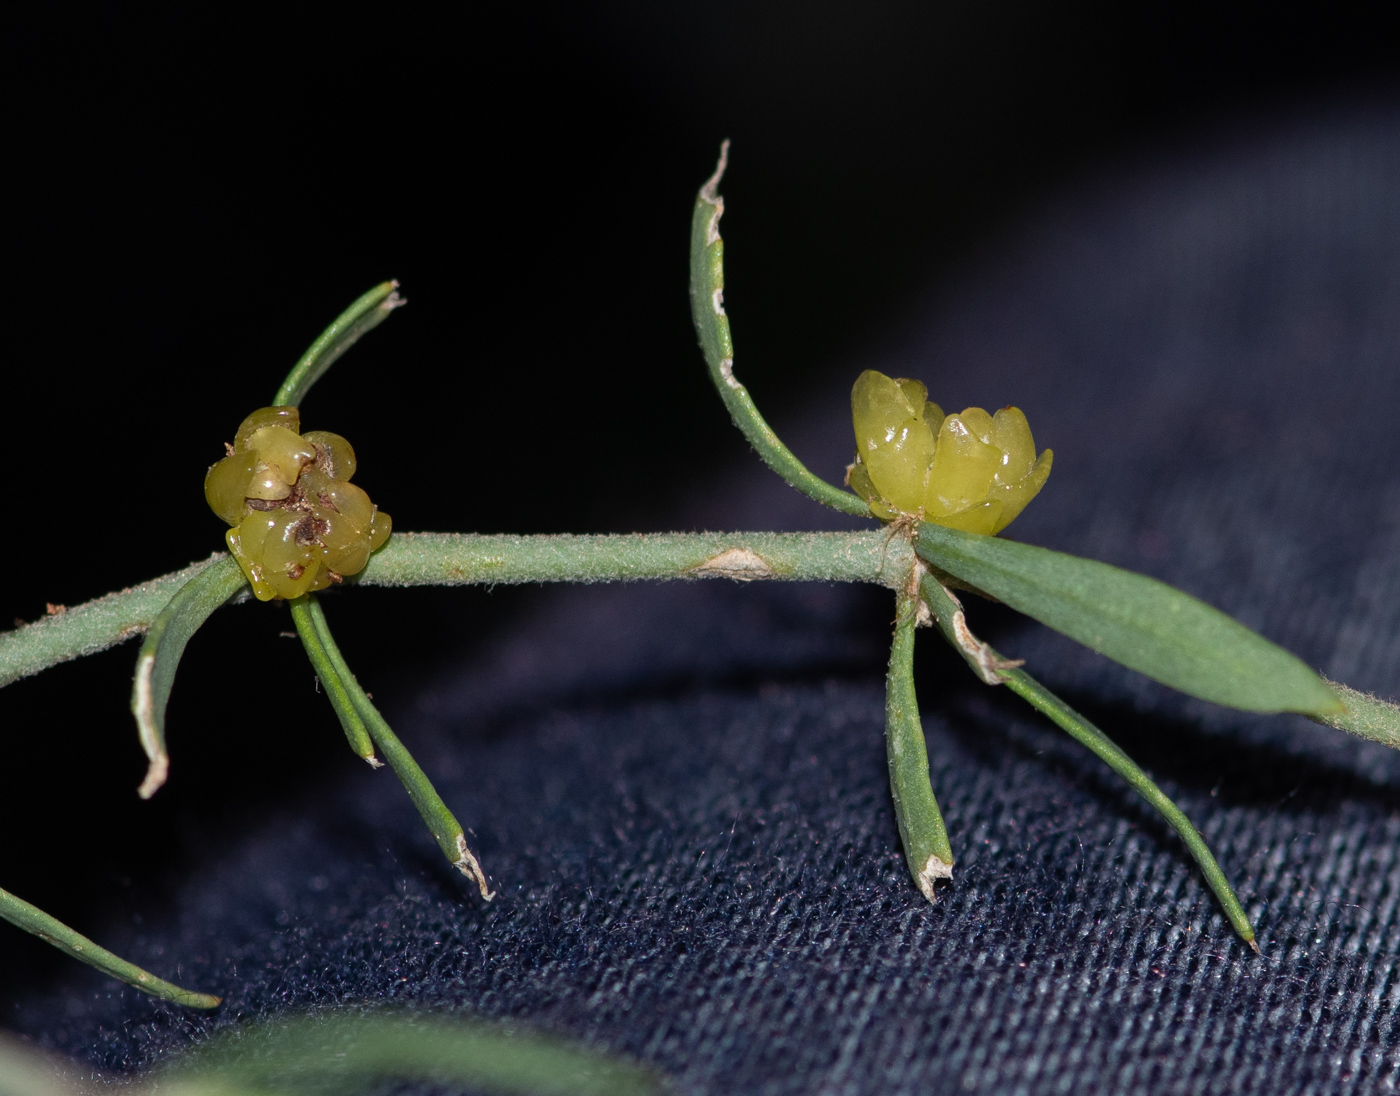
{"x": 461, "y": 559}
{"x": 69, "y": 633}
{"x": 1365, "y": 716}
{"x": 921, "y": 829}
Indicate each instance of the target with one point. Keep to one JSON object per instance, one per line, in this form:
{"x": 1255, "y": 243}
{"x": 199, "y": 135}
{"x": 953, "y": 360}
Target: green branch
{"x": 461, "y": 559}
{"x": 94, "y": 626}
{"x": 1365, "y": 716}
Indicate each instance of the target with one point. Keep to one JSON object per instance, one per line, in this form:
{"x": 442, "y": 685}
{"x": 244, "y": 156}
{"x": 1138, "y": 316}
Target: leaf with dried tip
{"x": 712, "y": 326}
{"x": 367, "y": 313}
{"x": 992, "y": 668}
{"x": 160, "y": 657}
{"x": 1145, "y": 624}
{"x": 921, "y": 830}
{"x": 330, "y": 664}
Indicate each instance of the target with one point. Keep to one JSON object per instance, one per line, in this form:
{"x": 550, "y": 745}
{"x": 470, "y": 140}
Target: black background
{"x": 191, "y": 201}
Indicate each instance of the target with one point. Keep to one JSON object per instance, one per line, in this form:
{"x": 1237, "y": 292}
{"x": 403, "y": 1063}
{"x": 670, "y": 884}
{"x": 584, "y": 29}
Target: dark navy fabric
{"x": 680, "y": 790}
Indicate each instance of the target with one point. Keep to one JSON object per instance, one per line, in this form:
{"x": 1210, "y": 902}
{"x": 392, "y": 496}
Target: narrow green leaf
{"x": 712, "y": 326}
{"x": 1107, "y": 751}
{"x": 1146, "y": 625}
{"x": 338, "y": 1053}
{"x": 367, "y": 313}
{"x": 336, "y": 689}
{"x": 441, "y": 822}
{"x": 53, "y": 931}
{"x": 160, "y": 657}
{"x": 921, "y": 830}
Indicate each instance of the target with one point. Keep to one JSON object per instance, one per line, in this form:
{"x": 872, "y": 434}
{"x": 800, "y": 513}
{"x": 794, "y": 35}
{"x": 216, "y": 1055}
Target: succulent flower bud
{"x": 971, "y": 471}
{"x": 298, "y": 524}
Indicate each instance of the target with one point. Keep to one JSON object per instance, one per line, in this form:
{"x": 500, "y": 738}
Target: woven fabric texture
{"x": 680, "y": 791}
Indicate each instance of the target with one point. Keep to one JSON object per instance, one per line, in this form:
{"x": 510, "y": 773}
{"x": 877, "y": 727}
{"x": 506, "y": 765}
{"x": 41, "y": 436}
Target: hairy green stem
{"x": 1365, "y": 716}
{"x": 441, "y": 822}
{"x": 461, "y": 559}
{"x": 69, "y": 633}
{"x": 921, "y": 829}
{"x": 32, "y": 919}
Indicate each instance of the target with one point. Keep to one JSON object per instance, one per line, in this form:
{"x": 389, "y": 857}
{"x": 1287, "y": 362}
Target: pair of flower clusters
{"x": 298, "y": 523}
{"x": 971, "y": 471}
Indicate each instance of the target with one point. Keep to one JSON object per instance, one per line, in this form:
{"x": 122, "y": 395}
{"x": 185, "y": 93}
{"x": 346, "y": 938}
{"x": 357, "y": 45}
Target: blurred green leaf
{"x": 337, "y": 1053}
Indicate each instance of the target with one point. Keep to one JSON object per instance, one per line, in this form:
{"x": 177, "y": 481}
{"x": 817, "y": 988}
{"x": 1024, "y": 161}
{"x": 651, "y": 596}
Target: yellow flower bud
{"x": 971, "y": 471}
{"x": 297, "y": 523}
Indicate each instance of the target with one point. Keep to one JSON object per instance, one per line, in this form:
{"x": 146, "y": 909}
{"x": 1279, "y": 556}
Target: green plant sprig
{"x": 1138, "y": 621}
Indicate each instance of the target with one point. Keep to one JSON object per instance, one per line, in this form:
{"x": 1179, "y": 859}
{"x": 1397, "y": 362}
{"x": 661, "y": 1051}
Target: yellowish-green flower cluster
{"x": 298, "y": 523}
{"x": 971, "y": 471}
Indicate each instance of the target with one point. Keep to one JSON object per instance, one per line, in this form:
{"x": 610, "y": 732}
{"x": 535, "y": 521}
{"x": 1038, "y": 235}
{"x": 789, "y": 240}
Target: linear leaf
{"x": 160, "y": 657}
{"x": 368, "y": 312}
{"x": 53, "y": 931}
{"x": 921, "y": 829}
{"x": 712, "y": 326}
{"x": 1146, "y": 625}
{"x": 330, "y": 665}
